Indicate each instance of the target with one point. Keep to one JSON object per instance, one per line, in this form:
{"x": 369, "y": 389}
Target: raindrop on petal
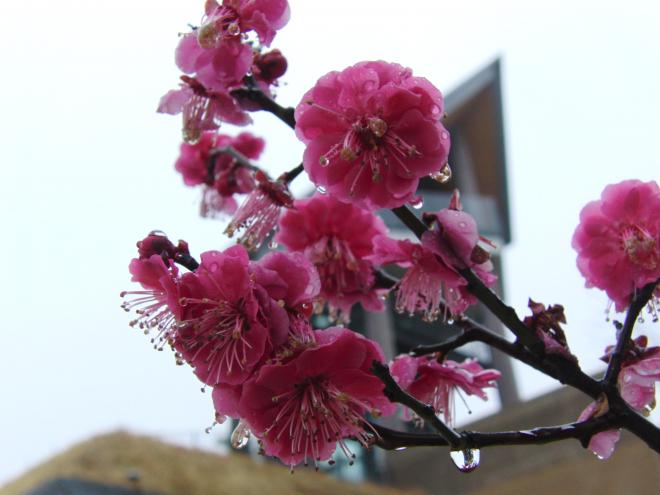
{"x": 466, "y": 460}
{"x": 321, "y": 189}
{"x": 443, "y": 175}
{"x": 240, "y": 435}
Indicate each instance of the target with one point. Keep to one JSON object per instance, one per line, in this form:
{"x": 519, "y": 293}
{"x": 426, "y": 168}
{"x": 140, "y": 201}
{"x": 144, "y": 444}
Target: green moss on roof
{"x": 172, "y": 470}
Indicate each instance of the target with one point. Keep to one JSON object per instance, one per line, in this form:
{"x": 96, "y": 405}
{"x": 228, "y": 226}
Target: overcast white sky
{"x": 87, "y": 170}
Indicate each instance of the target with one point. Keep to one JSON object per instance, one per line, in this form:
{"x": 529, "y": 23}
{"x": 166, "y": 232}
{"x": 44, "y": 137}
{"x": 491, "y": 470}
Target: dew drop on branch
{"x": 466, "y": 460}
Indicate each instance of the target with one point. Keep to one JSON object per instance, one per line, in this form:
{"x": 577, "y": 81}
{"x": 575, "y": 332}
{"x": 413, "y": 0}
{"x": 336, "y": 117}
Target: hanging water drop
{"x": 443, "y": 175}
{"x": 321, "y": 190}
{"x": 466, "y": 460}
{"x": 324, "y": 161}
{"x": 417, "y": 203}
{"x": 240, "y": 435}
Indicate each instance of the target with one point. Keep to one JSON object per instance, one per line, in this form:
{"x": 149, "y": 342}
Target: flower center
{"x": 217, "y": 336}
{"x": 640, "y": 247}
{"x": 376, "y": 146}
{"x": 316, "y": 412}
{"x": 223, "y": 23}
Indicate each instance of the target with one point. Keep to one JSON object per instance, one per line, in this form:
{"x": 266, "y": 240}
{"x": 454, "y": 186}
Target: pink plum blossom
{"x": 291, "y": 280}
{"x": 640, "y": 369}
{"x": 221, "y": 68}
{"x": 225, "y": 176}
{"x": 259, "y": 213}
{"x": 231, "y": 325}
{"x": 618, "y": 240}
{"x": 230, "y": 19}
{"x": 602, "y": 444}
{"x": 372, "y": 131}
{"x": 455, "y": 241}
{"x": 302, "y": 408}
{"x": 434, "y": 382}
{"x": 202, "y": 109}
{"x": 337, "y": 238}
{"x": 428, "y": 282}
{"x": 157, "y": 305}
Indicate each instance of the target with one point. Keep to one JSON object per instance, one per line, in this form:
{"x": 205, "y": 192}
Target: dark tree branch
{"x": 266, "y": 103}
{"x": 186, "y": 261}
{"x": 623, "y": 338}
{"x": 292, "y": 174}
{"x": 239, "y": 158}
{"x": 583, "y": 431}
{"x": 396, "y": 394}
{"x": 504, "y": 313}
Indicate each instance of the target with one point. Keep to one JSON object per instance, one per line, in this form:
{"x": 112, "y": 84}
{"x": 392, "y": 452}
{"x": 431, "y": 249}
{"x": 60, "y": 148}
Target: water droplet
{"x": 272, "y": 244}
{"x": 400, "y": 449}
{"x": 417, "y": 203}
{"x": 323, "y": 161}
{"x": 220, "y": 418}
{"x": 240, "y": 435}
{"x": 443, "y": 175}
{"x": 465, "y": 460}
{"x": 321, "y": 190}
{"x": 445, "y": 135}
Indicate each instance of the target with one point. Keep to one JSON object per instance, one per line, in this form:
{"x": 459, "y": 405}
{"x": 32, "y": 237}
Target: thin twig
{"x": 293, "y": 173}
{"x": 506, "y": 314}
{"x": 639, "y": 301}
{"x": 426, "y": 412}
{"x": 582, "y": 431}
{"x": 238, "y": 157}
{"x": 267, "y": 104}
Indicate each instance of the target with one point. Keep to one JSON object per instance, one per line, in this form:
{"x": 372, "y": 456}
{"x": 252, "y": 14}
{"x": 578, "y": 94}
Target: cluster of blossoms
{"x": 244, "y": 327}
{"x": 210, "y": 163}
{"x": 218, "y": 56}
{"x": 371, "y": 133}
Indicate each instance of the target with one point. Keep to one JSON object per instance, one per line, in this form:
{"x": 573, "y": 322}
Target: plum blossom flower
{"x": 433, "y": 266}
{"x": 220, "y": 68}
{"x": 372, "y": 131}
{"x": 230, "y": 19}
{"x": 157, "y": 305}
{"x": 221, "y": 174}
{"x": 259, "y": 213}
{"x": 640, "y": 369}
{"x": 202, "y": 109}
{"x": 291, "y": 280}
{"x": 231, "y": 325}
{"x": 337, "y": 238}
{"x": 302, "y": 408}
{"x": 434, "y": 382}
{"x": 428, "y": 282}
{"x": 602, "y": 444}
{"x": 618, "y": 240}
